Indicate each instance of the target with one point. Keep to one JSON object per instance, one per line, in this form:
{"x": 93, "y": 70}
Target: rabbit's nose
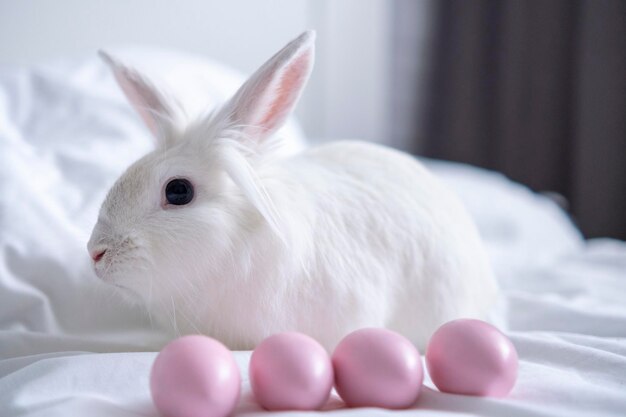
{"x": 97, "y": 254}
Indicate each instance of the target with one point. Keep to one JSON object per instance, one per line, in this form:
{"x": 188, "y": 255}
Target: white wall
{"x": 347, "y": 96}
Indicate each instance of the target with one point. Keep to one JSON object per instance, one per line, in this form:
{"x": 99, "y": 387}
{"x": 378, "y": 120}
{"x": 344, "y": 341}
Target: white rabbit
{"x": 215, "y": 235}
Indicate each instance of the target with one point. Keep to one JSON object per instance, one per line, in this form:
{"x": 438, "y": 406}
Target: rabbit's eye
{"x": 179, "y": 192}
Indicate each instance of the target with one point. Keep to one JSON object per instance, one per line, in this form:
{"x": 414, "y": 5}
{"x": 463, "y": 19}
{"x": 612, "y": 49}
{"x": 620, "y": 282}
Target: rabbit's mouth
{"x": 107, "y": 270}
{"x": 113, "y": 274}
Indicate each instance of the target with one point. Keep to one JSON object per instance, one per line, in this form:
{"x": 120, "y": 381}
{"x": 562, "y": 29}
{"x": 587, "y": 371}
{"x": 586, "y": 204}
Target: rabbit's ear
{"x": 145, "y": 98}
{"x": 263, "y": 103}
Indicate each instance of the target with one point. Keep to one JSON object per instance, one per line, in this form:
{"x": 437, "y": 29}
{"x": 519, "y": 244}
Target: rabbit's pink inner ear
{"x": 143, "y": 99}
{"x": 286, "y": 94}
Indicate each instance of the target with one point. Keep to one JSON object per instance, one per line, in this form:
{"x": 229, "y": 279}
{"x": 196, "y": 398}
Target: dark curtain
{"x": 537, "y": 90}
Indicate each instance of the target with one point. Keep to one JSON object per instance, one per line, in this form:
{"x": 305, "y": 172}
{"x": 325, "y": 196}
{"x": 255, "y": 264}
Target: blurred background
{"x": 533, "y": 89}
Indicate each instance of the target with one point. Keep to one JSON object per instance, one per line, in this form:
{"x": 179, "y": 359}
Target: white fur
{"x": 343, "y": 236}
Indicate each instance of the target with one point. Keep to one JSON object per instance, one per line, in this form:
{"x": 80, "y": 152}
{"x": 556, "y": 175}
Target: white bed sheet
{"x": 68, "y": 347}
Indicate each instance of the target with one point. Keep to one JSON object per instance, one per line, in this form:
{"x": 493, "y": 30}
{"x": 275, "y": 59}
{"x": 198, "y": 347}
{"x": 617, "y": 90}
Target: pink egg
{"x": 471, "y": 357}
{"x": 195, "y": 376}
{"x": 377, "y": 368}
{"x": 291, "y": 371}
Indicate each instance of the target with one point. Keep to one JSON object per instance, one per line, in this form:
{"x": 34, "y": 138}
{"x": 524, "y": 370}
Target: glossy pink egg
{"x": 377, "y": 368}
{"x": 195, "y": 376}
{"x": 290, "y": 371}
{"x": 472, "y": 357}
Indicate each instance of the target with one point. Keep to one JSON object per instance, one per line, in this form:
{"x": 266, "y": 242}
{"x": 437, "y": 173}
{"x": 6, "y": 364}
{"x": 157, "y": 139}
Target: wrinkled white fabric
{"x": 69, "y": 347}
